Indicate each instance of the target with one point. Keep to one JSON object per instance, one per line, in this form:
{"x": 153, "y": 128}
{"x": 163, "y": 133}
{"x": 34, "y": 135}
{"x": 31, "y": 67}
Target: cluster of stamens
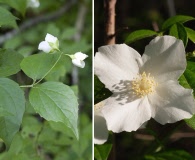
{"x": 143, "y": 85}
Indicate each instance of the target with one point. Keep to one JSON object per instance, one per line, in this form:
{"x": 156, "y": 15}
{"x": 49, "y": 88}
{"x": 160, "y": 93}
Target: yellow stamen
{"x": 143, "y": 85}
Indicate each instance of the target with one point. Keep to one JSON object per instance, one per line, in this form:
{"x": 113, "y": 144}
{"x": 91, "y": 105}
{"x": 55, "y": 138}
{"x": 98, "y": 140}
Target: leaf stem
{"x": 49, "y": 70}
{"x": 26, "y": 86}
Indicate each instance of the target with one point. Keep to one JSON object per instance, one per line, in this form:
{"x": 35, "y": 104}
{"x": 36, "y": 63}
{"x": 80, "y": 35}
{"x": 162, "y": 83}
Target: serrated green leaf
{"x": 7, "y": 19}
{"x": 19, "y": 5}
{"x": 191, "y": 34}
{"x": 139, "y": 34}
{"x": 100, "y": 92}
{"x": 13, "y": 102}
{"x": 176, "y": 19}
{"x": 61, "y": 127}
{"x": 36, "y": 66}
{"x": 9, "y": 62}
{"x": 56, "y": 102}
{"x": 101, "y": 152}
{"x": 177, "y": 30}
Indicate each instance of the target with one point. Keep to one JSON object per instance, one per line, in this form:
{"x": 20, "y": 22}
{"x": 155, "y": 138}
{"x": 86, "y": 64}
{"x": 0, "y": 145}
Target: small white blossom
{"x": 33, "y": 3}
{"x": 78, "y": 59}
{"x": 144, "y": 87}
{"x": 50, "y": 44}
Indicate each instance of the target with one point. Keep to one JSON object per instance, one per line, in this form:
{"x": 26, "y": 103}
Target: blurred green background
{"x": 71, "y": 22}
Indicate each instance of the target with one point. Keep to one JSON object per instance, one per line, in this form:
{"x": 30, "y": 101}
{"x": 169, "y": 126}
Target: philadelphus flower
{"x": 144, "y": 87}
{"x": 33, "y": 3}
{"x": 78, "y": 59}
{"x": 100, "y": 127}
{"x": 50, "y": 44}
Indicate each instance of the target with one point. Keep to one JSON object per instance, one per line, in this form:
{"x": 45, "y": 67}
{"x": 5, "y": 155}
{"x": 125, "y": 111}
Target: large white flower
{"x": 78, "y": 59}
{"x": 50, "y": 44}
{"x": 100, "y": 127}
{"x": 144, "y": 87}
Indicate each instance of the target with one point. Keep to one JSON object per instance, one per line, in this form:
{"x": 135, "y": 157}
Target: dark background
{"x": 133, "y": 15}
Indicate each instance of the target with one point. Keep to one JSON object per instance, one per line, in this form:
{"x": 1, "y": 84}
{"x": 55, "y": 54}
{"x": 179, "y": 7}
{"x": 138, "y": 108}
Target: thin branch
{"x": 79, "y": 25}
{"x": 171, "y": 7}
{"x": 36, "y": 20}
{"x": 109, "y": 7}
{"x": 173, "y": 137}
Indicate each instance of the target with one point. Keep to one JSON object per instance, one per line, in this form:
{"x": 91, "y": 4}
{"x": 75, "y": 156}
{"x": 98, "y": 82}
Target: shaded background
{"x": 133, "y": 15}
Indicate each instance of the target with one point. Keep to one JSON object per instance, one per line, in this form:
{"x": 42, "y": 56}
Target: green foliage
{"x": 191, "y": 34}
{"x": 13, "y": 103}
{"x": 139, "y": 34}
{"x": 170, "y": 155}
{"x": 176, "y": 19}
{"x": 36, "y": 66}
{"x": 7, "y": 19}
{"x": 9, "y": 62}
{"x": 100, "y": 92}
{"x": 101, "y": 152}
{"x": 19, "y": 5}
{"x": 177, "y": 30}
{"x": 56, "y": 102}
{"x": 51, "y": 127}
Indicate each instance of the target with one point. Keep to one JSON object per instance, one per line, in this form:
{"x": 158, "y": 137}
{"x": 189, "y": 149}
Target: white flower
{"x": 78, "y": 59}
{"x": 33, "y": 3}
{"x": 100, "y": 128}
{"x": 144, "y": 87}
{"x": 50, "y": 44}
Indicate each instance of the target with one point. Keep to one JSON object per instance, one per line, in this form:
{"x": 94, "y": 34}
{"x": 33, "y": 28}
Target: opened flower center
{"x": 143, "y": 85}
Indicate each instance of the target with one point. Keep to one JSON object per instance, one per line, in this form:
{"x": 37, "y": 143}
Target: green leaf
{"x": 100, "y": 92}
{"x": 169, "y": 155}
{"x": 13, "y": 102}
{"x": 178, "y": 31}
{"x": 9, "y": 62}
{"x": 7, "y": 19}
{"x": 36, "y": 66}
{"x": 101, "y": 152}
{"x": 56, "y": 102}
{"x": 187, "y": 80}
{"x": 176, "y": 19}
{"x": 19, "y": 5}
{"x": 191, "y": 34}
{"x": 190, "y": 74}
{"x": 139, "y": 34}
{"x": 191, "y": 122}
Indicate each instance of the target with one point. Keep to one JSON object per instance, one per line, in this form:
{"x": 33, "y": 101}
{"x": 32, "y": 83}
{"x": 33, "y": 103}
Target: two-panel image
{"x": 97, "y": 80}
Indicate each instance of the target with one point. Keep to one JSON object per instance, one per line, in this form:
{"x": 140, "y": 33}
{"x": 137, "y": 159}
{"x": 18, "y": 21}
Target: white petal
{"x": 100, "y": 129}
{"x": 44, "y": 46}
{"x": 164, "y": 58}
{"x": 114, "y": 63}
{"x": 171, "y": 103}
{"x": 78, "y": 63}
{"x": 50, "y": 38}
{"x": 122, "y": 115}
{"x": 33, "y": 3}
{"x": 80, "y": 56}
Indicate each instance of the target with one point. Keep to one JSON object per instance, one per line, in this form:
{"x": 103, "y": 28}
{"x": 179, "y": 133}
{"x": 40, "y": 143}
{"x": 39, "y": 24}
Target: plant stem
{"x": 26, "y": 86}
{"x": 109, "y": 7}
